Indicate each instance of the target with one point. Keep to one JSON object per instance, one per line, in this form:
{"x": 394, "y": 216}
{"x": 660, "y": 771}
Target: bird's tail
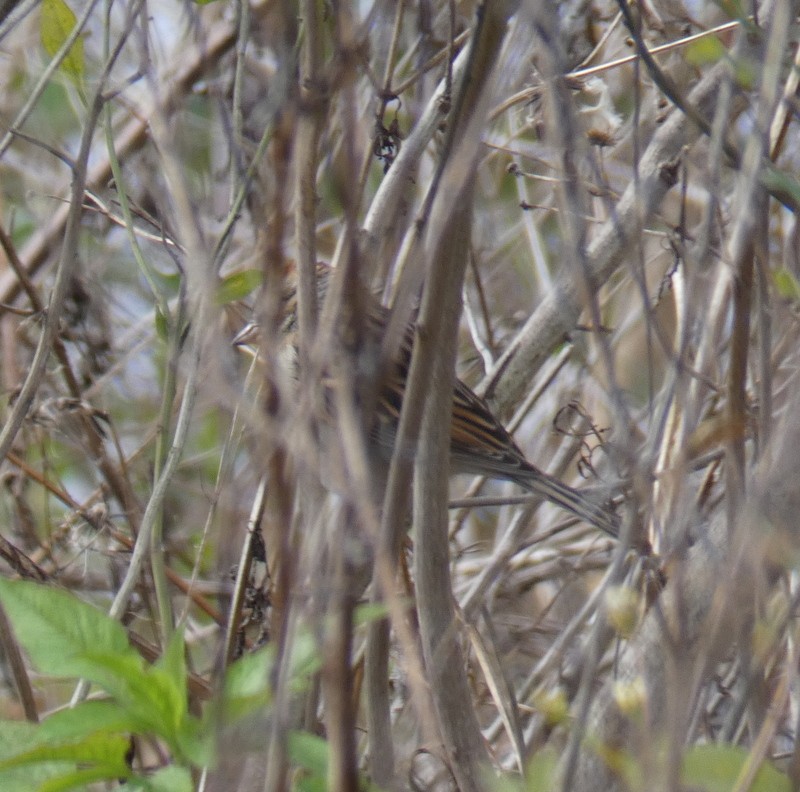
{"x": 580, "y": 504}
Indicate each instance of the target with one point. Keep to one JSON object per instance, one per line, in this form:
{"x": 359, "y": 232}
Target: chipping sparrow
{"x": 479, "y": 444}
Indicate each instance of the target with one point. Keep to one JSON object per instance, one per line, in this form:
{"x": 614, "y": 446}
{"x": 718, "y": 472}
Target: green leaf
{"x": 786, "y": 284}
{"x": 86, "y": 718}
{"x": 704, "y": 51}
{"x": 173, "y": 663}
{"x": 57, "y": 22}
{"x": 306, "y": 661}
{"x": 57, "y": 629}
{"x": 238, "y": 286}
{"x": 747, "y": 73}
{"x": 370, "y": 612}
{"x": 195, "y": 742}
{"x": 67, "y": 637}
{"x": 149, "y": 695}
{"x": 309, "y": 752}
{"x": 306, "y": 782}
{"x": 541, "y": 771}
{"x": 97, "y": 750}
{"x": 715, "y": 768}
{"x": 162, "y": 325}
{"x": 247, "y": 680}
{"x": 79, "y": 779}
{"x": 169, "y": 285}
{"x": 247, "y": 686}
{"x": 619, "y": 761}
{"x": 16, "y": 737}
{"x": 168, "y": 779}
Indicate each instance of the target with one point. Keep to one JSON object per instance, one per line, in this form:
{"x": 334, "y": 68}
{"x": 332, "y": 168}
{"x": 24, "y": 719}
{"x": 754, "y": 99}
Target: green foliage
{"x": 168, "y": 285}
{"x": 711, "y": 768}
{"x": 310, "y": 753}
{"x": 704, "y": 51}
{"x": 58, "y": 631}
{"x": 786, "y": 284}
{"x": 539, "y": 775}
{"x": 167, "y": 779}
{"x": 100, "y": 753}
{"x": 67, "y": 638}
{"x": 716, "y": 768}
{"x": 733, "y": 8}
{"x": 16, "y": 738}
{"x": 541, "y": 771}
{"x": 709, "y": 50}
{"x": 162, "y": 325}
{"x": 57, "y": 23}
{"x": 238, "y": 286}
{"x": 245, "y": 691}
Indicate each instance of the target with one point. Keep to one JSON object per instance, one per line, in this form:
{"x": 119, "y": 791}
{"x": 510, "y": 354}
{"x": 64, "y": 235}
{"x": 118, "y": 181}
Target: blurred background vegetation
{"x": 630, "y": 301}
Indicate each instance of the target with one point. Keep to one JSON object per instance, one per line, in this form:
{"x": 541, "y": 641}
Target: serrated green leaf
{"x": 238, "y": 286}
{"x": 56, "y": 628}
{"x": 86, "y": 718}
{"x": 119, "y": 675}
{"x": 715, "y": 768}
{"x": 66, "y": 637}
{"x": 106, "y": 750}
{"x": 149, "y": 695}
{"x": 55, "y": 27}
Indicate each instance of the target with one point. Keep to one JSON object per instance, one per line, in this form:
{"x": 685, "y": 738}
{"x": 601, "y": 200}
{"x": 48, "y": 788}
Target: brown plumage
{"x": 479, "y": 444}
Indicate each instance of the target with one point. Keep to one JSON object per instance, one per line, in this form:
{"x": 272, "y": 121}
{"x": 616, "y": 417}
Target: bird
{"x": 479, "y": 443}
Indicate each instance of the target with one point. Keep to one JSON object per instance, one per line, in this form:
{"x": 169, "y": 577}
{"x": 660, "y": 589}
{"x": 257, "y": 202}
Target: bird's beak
{"x": 247, "y": 336}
